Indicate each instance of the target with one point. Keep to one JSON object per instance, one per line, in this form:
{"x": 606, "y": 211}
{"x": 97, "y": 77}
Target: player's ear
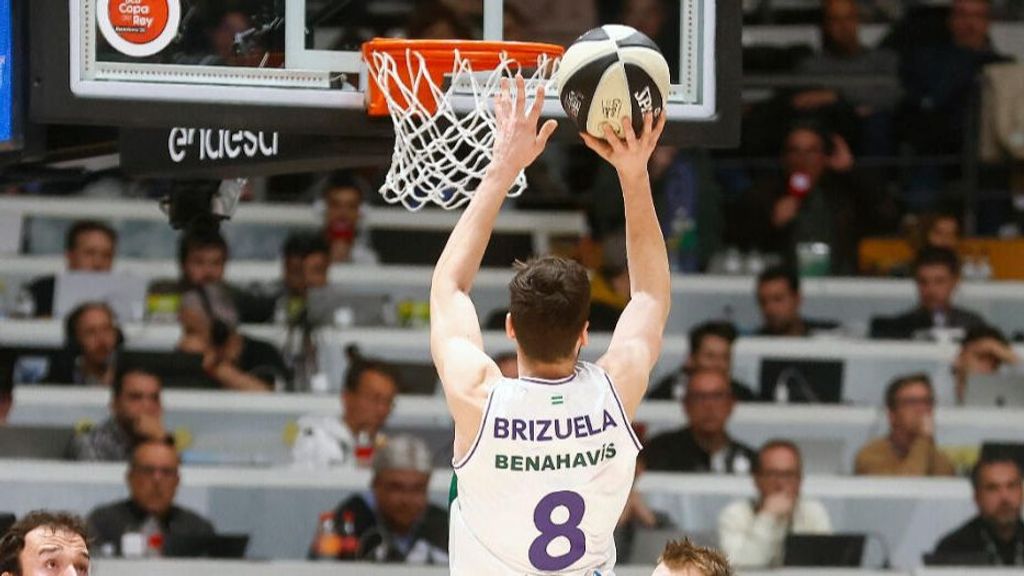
{"x": 510, "y": 331}
{"x": 585, "y": 335}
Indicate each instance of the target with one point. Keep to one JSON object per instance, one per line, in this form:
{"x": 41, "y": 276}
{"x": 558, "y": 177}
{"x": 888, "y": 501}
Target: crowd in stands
{"x": 824, "y": 187}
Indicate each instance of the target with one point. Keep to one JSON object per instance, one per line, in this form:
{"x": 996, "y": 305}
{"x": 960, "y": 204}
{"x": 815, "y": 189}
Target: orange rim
{"x": 439, "y": 57}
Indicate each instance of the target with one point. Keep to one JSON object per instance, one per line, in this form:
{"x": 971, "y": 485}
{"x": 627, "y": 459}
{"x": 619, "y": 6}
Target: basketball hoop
{"x": 441, "y": 110}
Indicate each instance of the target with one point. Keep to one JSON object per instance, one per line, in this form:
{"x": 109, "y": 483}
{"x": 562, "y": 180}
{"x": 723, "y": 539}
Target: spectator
{"x": 554, "y": 22}
{"x": 91, "y": 342}
{"x": 780, "y": 300}
{"x": 434, "y": 19}
{"x": 150, "y": 510}
{"x": 290, "y": 295}
{"x": 609, "y": 287}
{"x": 682, "y": 558}
{"x": 508, "y": 363}
{"x": 817, "y": 199}
{"x": 909, "y": 449}
{"x": 940, "y": 231}
{"x": 367, "y": 398}
{"x": 703, "y": 445}
{"x": 710, "y": 349}
{"x": 938, "y": 80}
{"x": 343, "y": 200}
{"x": 656, "y": 19}
{"x": 89, "y": 246}
{"x": 305, "y": 263}
{"x": 397, "y": 524}
{"x": 984, "y": 350}
{"x": 845, "y": 56}
{"x": 45, "y": 543}
{"x": 316, "y": 264}
{"x": 136, "y": 415}
{"x": 995, "y": 537}
{"x": 209, "y": 326}
{"x": 937, "y": 274}
{"x": 202, "y": 258}
{"x": 753, "y": 533}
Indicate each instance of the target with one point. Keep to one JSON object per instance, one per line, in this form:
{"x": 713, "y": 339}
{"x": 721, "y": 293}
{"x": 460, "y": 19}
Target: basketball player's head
{"x": 683, "y": 558}
{"x": 548, "y": 310}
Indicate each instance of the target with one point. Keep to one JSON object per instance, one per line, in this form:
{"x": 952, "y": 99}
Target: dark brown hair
{"x": 549, "y": 304}
{"x": 82, "y": 227}
{"x": 901, "y": 382}
{"x": 13, "y": 543}
{"x": 680, "y": 554}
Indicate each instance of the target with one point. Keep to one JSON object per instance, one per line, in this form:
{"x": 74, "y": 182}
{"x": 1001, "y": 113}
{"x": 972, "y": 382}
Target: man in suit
{"x": 704, "y": 445}
{"x": 936, "y": 274}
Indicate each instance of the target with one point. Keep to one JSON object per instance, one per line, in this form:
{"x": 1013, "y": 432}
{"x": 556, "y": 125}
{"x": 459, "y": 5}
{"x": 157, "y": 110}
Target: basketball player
{"x": 545, "y": 461}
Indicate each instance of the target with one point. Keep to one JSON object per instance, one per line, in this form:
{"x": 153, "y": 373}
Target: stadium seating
{"x": 254, "y": 429}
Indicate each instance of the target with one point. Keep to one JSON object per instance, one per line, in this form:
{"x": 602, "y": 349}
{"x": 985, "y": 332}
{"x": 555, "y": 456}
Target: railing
{"x": 542, "y": 226}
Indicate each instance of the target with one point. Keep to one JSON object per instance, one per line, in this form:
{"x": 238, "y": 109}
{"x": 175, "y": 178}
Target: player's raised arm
{"x": 455, "y": 340}
{"x": 636, "y": 342}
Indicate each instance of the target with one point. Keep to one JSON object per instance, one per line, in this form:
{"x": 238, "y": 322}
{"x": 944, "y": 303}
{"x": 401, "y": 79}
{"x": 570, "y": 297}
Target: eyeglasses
{"x": 165, "y": 471}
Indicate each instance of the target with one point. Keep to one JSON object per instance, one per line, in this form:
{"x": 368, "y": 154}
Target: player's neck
{"x": 546, "y": 370}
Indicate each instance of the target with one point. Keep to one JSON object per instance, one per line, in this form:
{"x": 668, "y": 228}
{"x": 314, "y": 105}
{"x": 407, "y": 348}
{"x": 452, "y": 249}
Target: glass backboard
{"x": 305, "y": 54}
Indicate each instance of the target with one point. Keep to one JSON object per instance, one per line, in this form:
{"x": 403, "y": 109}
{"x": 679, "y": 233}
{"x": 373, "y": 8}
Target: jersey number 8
{"x": 549, "y": 531}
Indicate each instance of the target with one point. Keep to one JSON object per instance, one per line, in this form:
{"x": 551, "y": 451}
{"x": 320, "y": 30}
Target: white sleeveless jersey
{"x": 544, "y": 483}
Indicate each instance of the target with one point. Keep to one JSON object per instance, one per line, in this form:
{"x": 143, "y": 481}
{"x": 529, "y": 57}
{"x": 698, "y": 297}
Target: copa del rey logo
{"x": 139, "y": 28}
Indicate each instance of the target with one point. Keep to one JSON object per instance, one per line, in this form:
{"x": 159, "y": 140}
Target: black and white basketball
{"x": 610, "y": 73}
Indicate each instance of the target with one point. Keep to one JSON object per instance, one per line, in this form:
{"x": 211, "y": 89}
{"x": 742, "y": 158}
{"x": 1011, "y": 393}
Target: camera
{"x": 204, "y": 204}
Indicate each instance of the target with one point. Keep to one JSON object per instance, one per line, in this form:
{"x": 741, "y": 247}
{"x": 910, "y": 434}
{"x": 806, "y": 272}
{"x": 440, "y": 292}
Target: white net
{"x": 441, "y": 155}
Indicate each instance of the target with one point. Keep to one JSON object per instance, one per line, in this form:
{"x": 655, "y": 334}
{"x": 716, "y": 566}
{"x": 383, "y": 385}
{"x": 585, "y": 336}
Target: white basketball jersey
{"x": 544, "y": 483}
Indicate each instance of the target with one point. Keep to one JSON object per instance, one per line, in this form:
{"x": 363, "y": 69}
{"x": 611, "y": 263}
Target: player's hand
{"x": 517, "y": 142}
{"x": 629, "y": 155}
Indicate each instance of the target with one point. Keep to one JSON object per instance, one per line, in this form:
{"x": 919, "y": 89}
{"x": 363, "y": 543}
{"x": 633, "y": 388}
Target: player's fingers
{"x": 659, "y": 127}
{"x": 501, "y": 101}
{"x": 628, "y": 132}
{"x": 611, "y": 138}
{"x": 602, "y": 148}
{"x": 648, "y": 125}
{"x": 546, "y": 131}
{"x": 520, "y": 95}
{"x": 538, "y": 104}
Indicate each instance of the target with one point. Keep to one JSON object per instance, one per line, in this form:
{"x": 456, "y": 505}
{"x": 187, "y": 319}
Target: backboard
{"x": 295, "y": 65}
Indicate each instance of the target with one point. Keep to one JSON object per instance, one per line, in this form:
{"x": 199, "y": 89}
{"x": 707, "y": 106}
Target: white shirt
{"x": 753, "y": 540}
{"x": 324, "y": 442}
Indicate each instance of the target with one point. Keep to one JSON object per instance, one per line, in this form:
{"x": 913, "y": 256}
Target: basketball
{"x": 610, "y": 73}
